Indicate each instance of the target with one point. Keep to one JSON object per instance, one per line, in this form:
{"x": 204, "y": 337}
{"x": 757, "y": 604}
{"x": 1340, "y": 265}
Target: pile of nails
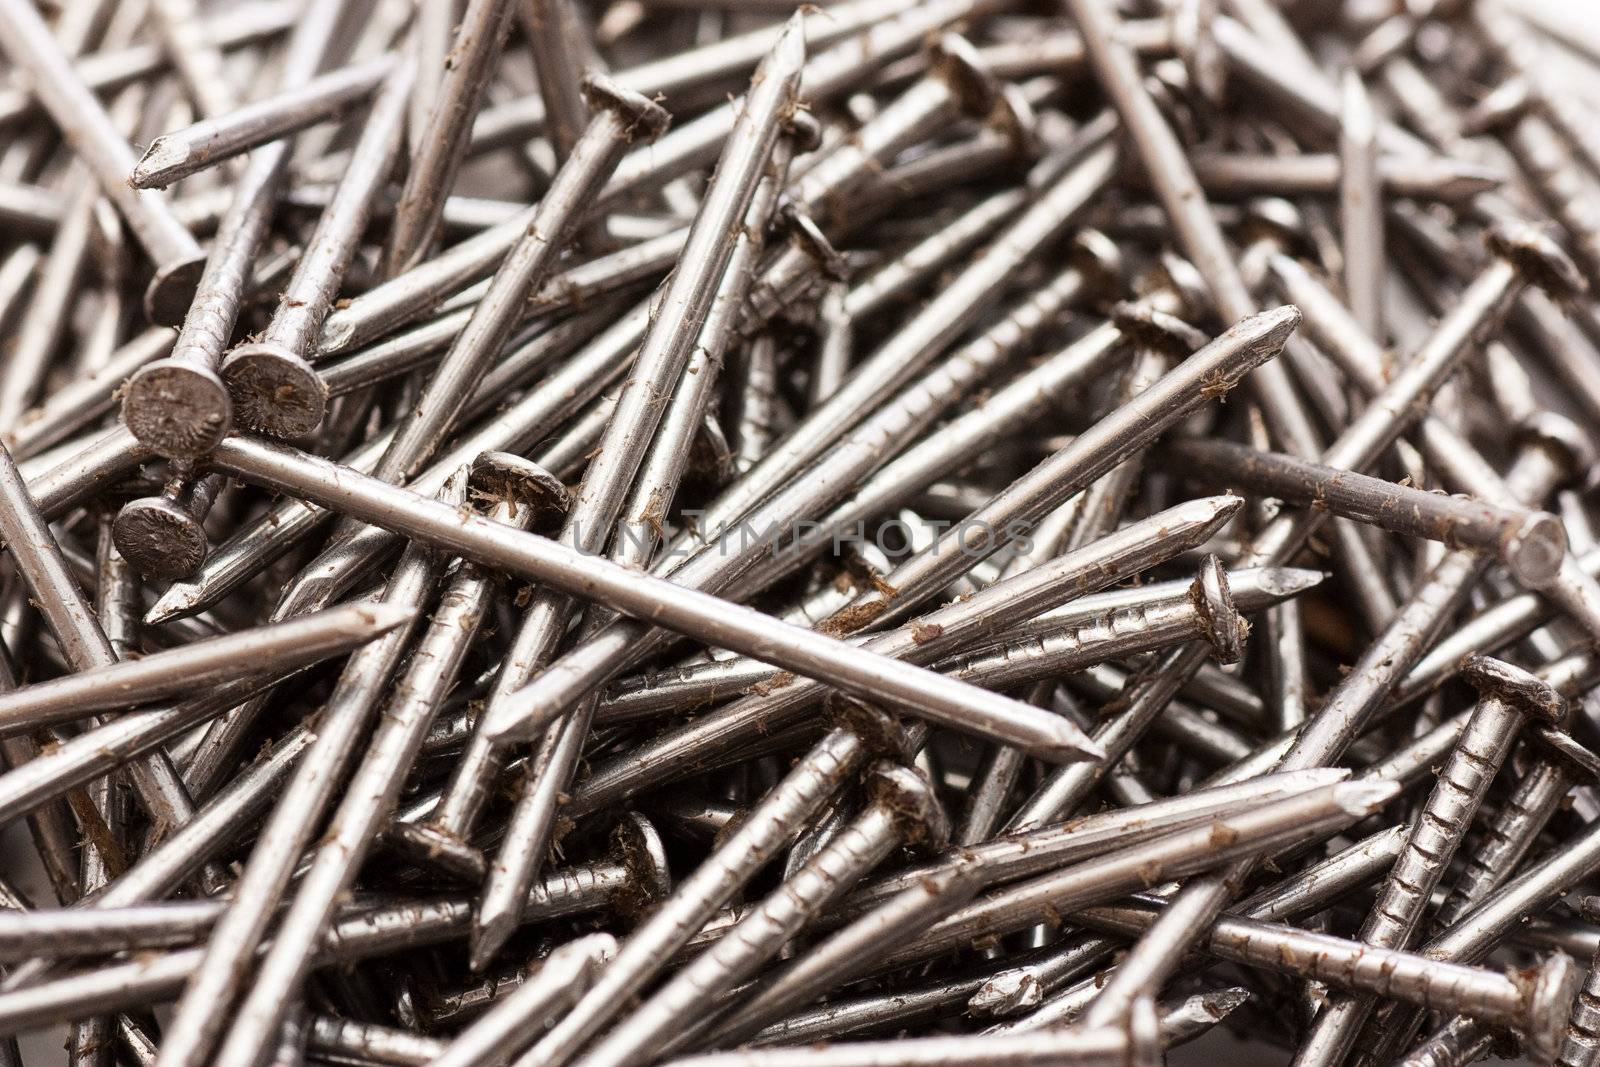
{"x": 898, "y": 533}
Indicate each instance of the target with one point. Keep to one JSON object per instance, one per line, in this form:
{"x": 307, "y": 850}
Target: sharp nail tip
{"x": 488, "y": 938}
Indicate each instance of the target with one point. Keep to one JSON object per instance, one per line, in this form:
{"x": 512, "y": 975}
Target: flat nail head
{"x": 1574, "y": 446}
{"x": 503, "y": 477}
{"x": 1535, "y": 550}
{"x": 172, "y": 289}
{"x": 1273, "y": 218}
{"x": 1537, "y": 256}
{"x": 177, "y": 409}
{"x": 636, "y": 841}
{"x": 1098, "y": 259}
{"x": 1015, "y": 116}
{"x": 968, "y": 75}
{"x": 1178, "y": 274}
{"x": 644, "y": 117}
{"x": 160, "y": 539}
{"x": 274, "y": 391}
{"x": 1524, "y": 691}
{"x": 805, "y": 131}
{"x": 1550, "y": 992}
{"x": 877, "y": 728}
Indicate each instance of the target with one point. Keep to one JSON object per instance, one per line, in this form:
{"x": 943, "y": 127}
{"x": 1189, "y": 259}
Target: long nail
{"x": 1183, "y": 851}
{"x": 924, "y": 640}
{"x": 1530, "y": 544}
{"x": 271, "y": 649}
{"x": 1507, "y": 697}
{"x": 196, "y": 1026}
{"x": 223, "y": 136}
{"x": 1221, "y": 364}
{"x": 372, "y": 932}
{"x": 179, "y": 406}
{"x": 1534, "y": 1003}
{"x": 437, "y": 154}
{"x": 510, "y": 485}
{"x": 802, "y": 793}
{"x": 676, "y": 689}
{"x": 272, "y": 387}
{"x": 903, "y": 809}
{"x": 172, "y": 250}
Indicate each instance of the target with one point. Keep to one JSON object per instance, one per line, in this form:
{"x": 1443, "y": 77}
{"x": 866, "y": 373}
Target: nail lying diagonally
{"x": 437, "y": 153}
{"x": 130, "y": 682}
{"x": 375, "y": 783}
{"x": 178, "y": 405}
{"x": 1247, "y": 345}
{"x": 664, "y": 528}
{"x": 718, "y": 622}
{"x": 685, "y": 688}
{"x": 1132, "y": 550}
{"x": 196, "y": 1027}
{"x": 171, "y": 248}
{"x": 208, "y": 142}
{"x": 754, "y": 168}
{"x": 273, "y": 402}
{"x": 1530, "y": 544}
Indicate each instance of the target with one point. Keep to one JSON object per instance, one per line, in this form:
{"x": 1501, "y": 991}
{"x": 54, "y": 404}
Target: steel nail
{"x": 231, "y": 132}
{"x": 164, "y": 536}
{"x": 176, "y": 256}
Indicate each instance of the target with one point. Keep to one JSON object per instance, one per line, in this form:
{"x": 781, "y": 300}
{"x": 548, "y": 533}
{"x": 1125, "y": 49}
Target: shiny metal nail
{"x": 196, "y": 1026}
{"x": 503, "y": 486}
{"x": 715, "y": 735}
{"x": 131, "y": 682}
{"x": 913, "y": 410}
{"x": 172, "y": 250}
{"x": 237, "y": 130}
{"x": 720, "y": 622}
{"x": 1361, "y": 207}
{"x": 1535, "y": 1003}
{"x": 437, "y": 154}
{"x": 1529, "y": 543}
{"x": 1018, "y": 905}
{"x": 902, "y": 809}
{"x": 1508, "y": 697}
{"x": 1580, "y": 1047}
{"x": 849, "y": 952}
{"x": 164, "y": 536}
{"x": 179, "y": 405}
